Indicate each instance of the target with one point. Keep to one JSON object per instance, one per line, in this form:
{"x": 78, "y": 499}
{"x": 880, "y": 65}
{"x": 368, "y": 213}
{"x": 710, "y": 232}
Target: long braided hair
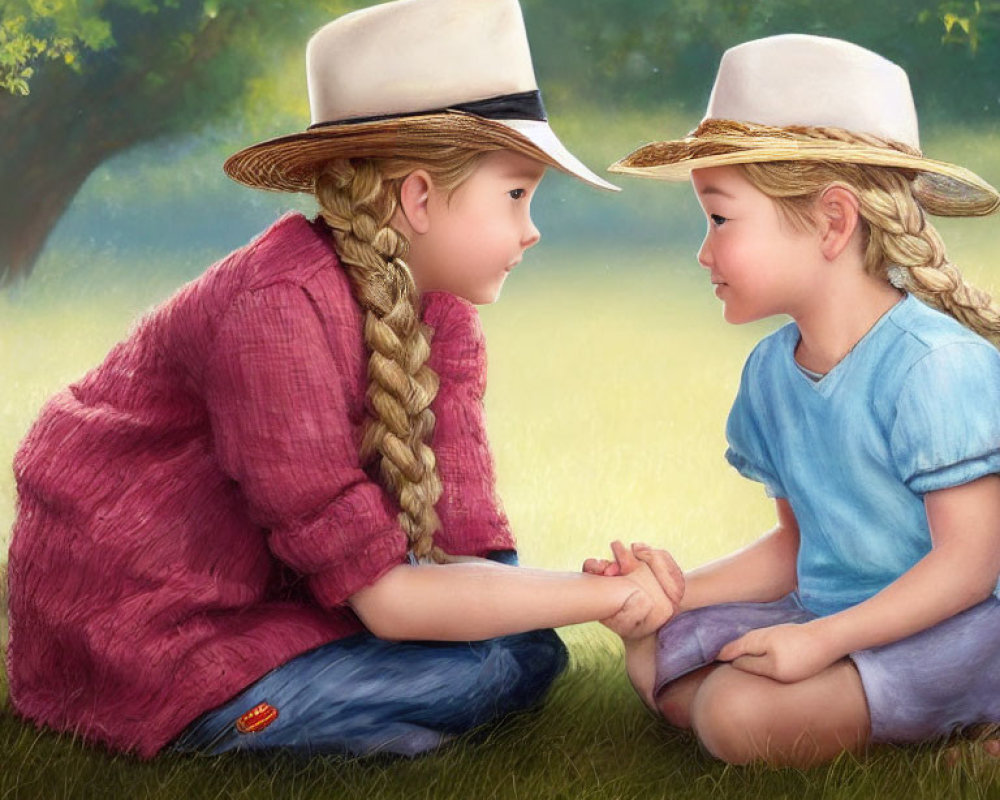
{"x": 358, "y": 198}
{"x": 901, "y": 245}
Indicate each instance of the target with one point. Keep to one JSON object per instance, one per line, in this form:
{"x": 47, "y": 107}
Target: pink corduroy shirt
{"x": 192, "y": 513}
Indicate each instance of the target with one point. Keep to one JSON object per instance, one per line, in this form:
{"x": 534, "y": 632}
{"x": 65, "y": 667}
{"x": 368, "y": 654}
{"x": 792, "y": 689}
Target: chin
{"x": 478, "y": 298}
{"x": 484, "y": 295}
{"x": 485, "y": 299}
{"x": 730, "y": 316}
{"x": 737, "y": 317}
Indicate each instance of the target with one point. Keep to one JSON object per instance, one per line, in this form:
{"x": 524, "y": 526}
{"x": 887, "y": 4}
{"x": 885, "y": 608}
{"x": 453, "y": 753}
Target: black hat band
{"x": 522, "y": 105}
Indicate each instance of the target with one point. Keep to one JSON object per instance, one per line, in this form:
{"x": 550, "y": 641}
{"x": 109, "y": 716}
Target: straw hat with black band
{"x": 768, "y": 90}
{"x": 386, "y": 77}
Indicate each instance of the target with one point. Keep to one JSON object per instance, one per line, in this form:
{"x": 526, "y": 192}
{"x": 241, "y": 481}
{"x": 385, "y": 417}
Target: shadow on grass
{"x": 591, "y": 740}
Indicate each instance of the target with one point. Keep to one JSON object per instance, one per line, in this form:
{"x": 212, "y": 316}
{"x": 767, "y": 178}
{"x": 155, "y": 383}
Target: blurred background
{"x": 611, "y": 370}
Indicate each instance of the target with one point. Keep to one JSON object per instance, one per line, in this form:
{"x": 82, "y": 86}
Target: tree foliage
{"x": 34, "y": 34}
{"x": 633, "y": 51}
{"x": 81, "y": 80}
{"x": 642, "y": 53}
{"x": 86, "y": 79}
{"x": 967, "y": 24}
{"x": 34, "y": 31}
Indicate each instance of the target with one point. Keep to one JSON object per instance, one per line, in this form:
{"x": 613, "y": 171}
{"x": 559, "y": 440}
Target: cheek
{"x": 457, "y": 238}
{"x": 474, "y": 237}
{"x": 491, "y": 235}
{"x": 467, "y": 226}
{"x": 749, "y": 252}
{"x": 730, "y": 253}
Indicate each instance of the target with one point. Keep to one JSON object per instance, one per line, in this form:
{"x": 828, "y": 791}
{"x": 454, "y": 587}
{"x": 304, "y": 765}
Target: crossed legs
{"x": 740, "y": 717}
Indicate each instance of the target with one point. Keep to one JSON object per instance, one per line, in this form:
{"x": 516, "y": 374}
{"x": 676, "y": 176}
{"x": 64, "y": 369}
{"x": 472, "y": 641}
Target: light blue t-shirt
{"x": 914, "y": 407}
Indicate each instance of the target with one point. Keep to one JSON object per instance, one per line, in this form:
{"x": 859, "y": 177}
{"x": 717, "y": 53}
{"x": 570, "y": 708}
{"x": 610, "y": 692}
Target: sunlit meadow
{"x": 611, "y": 373}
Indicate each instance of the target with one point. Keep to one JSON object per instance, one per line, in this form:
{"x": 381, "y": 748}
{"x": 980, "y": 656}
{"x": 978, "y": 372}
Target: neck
{"x": 844, "y": 312}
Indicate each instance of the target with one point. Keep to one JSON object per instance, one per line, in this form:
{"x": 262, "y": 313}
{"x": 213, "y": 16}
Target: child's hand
{"x": 660, "y": 583}
{"x": 786, "y": 653}
{"x": 601, "y": 566}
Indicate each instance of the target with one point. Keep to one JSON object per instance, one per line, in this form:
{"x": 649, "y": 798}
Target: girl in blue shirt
{"x": 870, "y": 612}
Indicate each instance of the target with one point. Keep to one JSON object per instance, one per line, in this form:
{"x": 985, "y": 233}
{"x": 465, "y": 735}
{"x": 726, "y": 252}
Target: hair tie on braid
{"x": 898, "y": 276}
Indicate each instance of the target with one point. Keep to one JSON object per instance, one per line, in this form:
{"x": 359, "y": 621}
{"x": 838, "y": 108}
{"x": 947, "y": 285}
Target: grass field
{"x": 609, "y": 388}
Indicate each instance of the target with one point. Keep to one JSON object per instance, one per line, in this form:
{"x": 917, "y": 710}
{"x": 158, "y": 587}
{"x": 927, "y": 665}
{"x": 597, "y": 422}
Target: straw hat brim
{"x": 943, "y": 189}
{"x": 290, "y": 163}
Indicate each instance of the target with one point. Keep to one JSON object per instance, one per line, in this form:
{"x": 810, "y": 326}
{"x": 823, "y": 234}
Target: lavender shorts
{"x": 927, "y": 685}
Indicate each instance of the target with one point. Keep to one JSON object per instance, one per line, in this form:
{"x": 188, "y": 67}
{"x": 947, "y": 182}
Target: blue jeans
{"x": 362, "y": 695}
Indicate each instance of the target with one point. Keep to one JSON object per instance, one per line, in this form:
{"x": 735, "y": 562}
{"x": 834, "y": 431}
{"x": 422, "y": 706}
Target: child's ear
{"x": 414, "y": 196}
{"x": 838, "y": 220}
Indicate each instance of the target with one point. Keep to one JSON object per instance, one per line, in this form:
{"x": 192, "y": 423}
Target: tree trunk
{"x": 54, "y": 138}
{"x": 42, "y": 169}
{"x": 71, "y": 122}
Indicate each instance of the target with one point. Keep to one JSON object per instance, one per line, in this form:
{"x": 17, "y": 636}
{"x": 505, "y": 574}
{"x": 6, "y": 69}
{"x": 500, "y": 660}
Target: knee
{"x": 729, "y": 716}
{"x": 542, "y": 657}
{"x": 675, "y": 707}
{"x": 538, "y": 657}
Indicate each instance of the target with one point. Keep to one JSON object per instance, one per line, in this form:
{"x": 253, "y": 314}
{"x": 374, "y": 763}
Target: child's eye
{"x": 516, "y": 194}
{"x": 717, "y": 219}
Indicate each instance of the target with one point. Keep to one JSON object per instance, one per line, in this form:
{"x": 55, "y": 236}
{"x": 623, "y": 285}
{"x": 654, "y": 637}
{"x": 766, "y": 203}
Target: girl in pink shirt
{"x": 227, "y": 530}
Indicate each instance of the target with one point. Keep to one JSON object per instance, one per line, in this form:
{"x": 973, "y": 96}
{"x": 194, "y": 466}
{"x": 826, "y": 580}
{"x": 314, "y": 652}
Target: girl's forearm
{"x": 470, "y": 601}
{"x": 761, "y": 572}
{"x": 960, "y": 570}
{"x": 944, "y": 583}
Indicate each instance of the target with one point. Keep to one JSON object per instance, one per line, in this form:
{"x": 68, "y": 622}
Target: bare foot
{"x": 988, "y": 746}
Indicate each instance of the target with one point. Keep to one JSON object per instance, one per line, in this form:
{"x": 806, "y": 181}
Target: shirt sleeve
{"x": 747, "y": 449}
{"x": 946, "y": 430}
{"x": 286, "y": 431}
{"x": 472, "y": 520}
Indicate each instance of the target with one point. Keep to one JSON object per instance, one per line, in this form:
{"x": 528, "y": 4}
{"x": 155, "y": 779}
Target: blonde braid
{"x": 900, "y": 237}
{"x": 358, "y": 205}
{"x": 901, "y": 244}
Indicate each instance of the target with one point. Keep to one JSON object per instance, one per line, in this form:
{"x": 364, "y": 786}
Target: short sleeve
{"x": 747, "y": 449}
{"x": 946, "y": 430}
{"x": 472, "y": 521}
{"x": 285, "y": 429}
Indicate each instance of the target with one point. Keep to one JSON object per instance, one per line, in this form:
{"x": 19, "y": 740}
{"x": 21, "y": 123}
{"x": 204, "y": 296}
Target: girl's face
{"x": 478, "y": 233}
{"x": 759, "y": 263}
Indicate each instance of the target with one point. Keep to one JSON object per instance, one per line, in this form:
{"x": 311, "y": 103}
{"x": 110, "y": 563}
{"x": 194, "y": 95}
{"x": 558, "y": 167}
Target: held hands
{"x": 659, "y": 588}
{"x": 786, "y": 653}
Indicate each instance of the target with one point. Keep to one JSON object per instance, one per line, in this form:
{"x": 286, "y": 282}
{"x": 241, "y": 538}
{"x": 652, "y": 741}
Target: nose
{"x": 705, "y": 254}
{"x": 531, "y": 235}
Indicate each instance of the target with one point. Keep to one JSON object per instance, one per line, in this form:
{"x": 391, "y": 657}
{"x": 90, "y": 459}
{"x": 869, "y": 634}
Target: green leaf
{"x": 951, "y": 20}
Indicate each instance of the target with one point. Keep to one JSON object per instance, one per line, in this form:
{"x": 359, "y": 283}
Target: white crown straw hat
{"x": 770, "y": 92}
{"x": 413, "y": 71}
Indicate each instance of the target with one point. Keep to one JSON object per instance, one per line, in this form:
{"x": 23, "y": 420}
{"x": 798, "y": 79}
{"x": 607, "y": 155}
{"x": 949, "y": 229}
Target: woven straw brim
{"x": 290, "y": 163}
{"x": 942, "y": 189}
